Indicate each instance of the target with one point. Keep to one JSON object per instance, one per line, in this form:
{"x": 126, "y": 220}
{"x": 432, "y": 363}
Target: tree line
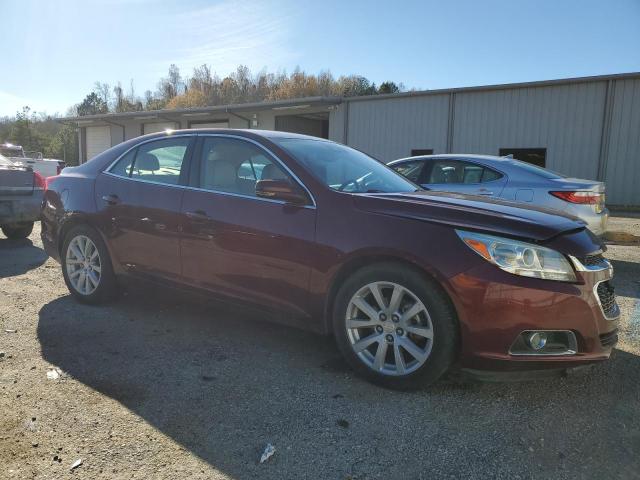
{"x": 202, "y": 88}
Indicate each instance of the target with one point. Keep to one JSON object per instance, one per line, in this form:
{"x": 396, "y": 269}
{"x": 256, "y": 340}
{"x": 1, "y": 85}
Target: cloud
{"x": 230, "y": 33}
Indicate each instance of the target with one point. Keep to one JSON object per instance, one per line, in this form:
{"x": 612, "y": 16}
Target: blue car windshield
{"x": 345, "y": 169}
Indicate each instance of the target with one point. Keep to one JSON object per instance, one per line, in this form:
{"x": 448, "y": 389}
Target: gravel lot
{"x": 163, "y": 385}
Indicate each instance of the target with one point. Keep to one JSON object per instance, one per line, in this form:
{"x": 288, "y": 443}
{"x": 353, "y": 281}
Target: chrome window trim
{"x": 219, "y": 192}
{"x": 107, "y": 171}
{"x": 249, "y": 197}
{"x": 139, "y": 180}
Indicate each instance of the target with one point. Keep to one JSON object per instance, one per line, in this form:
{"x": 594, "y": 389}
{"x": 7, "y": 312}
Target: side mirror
{"x": 281, "y": 190}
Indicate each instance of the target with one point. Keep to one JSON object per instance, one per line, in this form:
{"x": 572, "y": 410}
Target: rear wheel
{"x": 395, "y": 326}
{"x": 18, "y": 230}
{"x": 86, "y": 266}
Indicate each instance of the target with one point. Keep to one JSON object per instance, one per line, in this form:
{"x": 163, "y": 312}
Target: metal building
{"x": 582, "y": 127}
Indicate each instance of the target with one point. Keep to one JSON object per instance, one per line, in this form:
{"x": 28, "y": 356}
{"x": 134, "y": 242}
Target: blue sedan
{"x": 509, "y": 179}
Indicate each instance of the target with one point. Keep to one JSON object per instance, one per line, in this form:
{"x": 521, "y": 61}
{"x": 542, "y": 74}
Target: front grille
{"x": 609, "y": 339}
{"x": 607, "y": 298}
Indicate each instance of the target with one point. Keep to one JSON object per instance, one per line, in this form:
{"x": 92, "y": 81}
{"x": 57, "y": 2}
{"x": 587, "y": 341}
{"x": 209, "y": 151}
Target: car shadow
{"x": 223, "y": 383}
{"x": 19, "y": 256}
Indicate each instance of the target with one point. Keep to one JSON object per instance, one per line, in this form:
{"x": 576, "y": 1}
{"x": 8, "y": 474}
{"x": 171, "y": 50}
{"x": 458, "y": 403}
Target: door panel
{"x": 141, "y": 221}
{"x": 139, "y": 201}
{"x": 237, "y": 244}
{"x": 248, "y": 248}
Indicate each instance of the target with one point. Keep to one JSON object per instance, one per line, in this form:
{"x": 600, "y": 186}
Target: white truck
{"x": 47, "y": 167}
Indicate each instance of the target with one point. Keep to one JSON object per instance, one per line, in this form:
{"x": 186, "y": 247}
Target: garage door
{"x": 210, "y": 125}
{"x": 98, "y": 140}
{"x": 158, "y": 127}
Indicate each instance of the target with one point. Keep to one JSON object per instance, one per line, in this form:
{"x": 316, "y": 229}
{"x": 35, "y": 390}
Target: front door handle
{"x": 111, "y": 199}
{"x": 197, "y": 216}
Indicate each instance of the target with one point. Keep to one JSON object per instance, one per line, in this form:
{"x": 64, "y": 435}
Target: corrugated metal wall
{"x": 583, "y": 134}
{"x": 390, "y": 128}
{"x": 564, "y": 119}
{"x": 336, "y": 123}
{"x": 623, "y": 148}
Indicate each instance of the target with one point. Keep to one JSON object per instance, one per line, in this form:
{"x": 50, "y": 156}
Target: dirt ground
{"x": 161, "y": 385}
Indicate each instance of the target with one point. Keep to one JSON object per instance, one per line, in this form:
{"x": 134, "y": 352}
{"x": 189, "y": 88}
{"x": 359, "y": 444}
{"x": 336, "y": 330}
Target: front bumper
{"x": 495, "y": 307}
{"x": 20, "y": 209}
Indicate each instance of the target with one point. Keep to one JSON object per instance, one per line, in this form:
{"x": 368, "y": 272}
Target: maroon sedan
{"x": 410, "y": 282}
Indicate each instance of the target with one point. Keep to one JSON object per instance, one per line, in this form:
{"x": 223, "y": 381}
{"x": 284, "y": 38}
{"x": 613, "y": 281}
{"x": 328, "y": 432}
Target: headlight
{"x": 520, "y": 258}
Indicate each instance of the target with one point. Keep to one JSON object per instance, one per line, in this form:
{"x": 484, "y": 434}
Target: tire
{"x": 106, "y": 286}
{"x": 433, "y": 356}
{"x": 18, "y": 230}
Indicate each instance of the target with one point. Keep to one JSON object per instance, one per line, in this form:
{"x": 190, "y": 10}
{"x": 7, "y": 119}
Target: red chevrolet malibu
{"x": 410, "y": 282}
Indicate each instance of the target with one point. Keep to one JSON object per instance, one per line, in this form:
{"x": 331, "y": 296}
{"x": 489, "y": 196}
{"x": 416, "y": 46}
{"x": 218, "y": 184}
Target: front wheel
{"x": 395, "y": 327}
{"x": 18, "y": 230}
{"x": 86, "y": 266}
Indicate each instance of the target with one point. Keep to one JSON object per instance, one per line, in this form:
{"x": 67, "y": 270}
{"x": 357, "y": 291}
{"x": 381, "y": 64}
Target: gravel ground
{"x": 163, "y": 385}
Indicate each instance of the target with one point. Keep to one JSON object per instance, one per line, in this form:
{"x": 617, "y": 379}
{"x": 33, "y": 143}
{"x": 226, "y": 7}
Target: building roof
{"x": 308, "y": 102}
{"x": 296, "y": 103}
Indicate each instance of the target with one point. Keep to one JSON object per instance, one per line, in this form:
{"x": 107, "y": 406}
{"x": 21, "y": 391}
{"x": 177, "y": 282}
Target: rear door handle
{"x": 111, "y": 199}
{"x": 197, "y": 216}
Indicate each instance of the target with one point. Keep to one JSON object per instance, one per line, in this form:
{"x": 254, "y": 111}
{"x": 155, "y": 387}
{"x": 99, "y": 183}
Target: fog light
{"x": 545, "y": 342}
{"x": 537, "y": 340}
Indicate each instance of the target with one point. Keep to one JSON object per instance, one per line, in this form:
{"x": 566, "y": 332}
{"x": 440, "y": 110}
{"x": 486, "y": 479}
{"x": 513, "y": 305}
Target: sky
{"x": 53, "y": 52}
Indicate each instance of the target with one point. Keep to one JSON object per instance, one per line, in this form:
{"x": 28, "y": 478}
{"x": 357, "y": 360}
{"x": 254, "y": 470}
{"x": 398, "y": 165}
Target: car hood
{"x": 472, "y": 212}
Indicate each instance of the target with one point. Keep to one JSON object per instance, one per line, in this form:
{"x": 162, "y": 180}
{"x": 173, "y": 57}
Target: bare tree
{"x": 104, "y": 92}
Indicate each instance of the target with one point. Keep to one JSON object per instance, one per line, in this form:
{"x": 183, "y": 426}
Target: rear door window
{"x": 161, "y": 161}
{"x": 460, "y": 172}
{"x": 123, "y": 167}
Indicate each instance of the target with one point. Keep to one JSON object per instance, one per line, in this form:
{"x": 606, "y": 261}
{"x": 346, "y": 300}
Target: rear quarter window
{"x": 123, "y": 167}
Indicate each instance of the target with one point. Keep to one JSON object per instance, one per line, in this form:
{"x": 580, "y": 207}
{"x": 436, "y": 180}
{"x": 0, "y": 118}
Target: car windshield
{"x": 345, "y": 169}
{"x": 542, "y": 172}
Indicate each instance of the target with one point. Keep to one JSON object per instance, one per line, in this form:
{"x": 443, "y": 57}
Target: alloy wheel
{"x": 389, "y": 328}
{"x": 83, "y": 265}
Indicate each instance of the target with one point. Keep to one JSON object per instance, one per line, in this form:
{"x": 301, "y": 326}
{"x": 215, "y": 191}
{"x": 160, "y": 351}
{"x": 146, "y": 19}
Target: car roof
{"x": 242, "y": 132}
{"x": 466, "y": 156}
